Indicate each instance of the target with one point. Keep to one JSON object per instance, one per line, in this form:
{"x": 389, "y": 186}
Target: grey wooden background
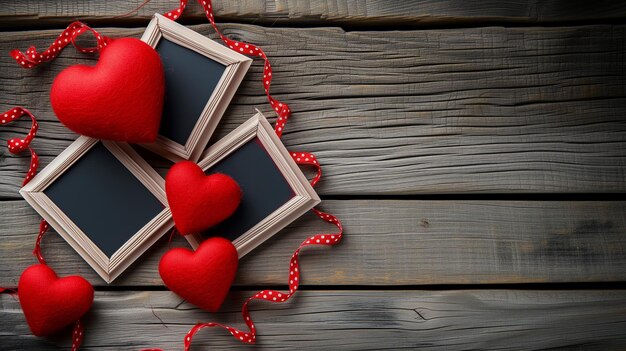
{"x": 476, "y": 152}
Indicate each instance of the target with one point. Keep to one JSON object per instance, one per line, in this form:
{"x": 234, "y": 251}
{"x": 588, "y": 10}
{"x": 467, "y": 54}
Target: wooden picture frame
{"x": 204, "y": 117}
{"x": 124, "y": 166}
{"x": 304, "y": 198}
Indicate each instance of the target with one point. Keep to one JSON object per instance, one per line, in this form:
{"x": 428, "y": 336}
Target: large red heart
{"x": 198, "y": 201}
{"x": 203, "y": 277}
{"x": 120, "y": 98}
{"x": 51, "y": 303}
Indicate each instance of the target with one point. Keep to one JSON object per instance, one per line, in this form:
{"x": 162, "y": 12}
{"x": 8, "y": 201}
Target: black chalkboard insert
{"x": 190, "y": 79}
{"x": 104, "y": 199}
{"x": 264, "y": 188}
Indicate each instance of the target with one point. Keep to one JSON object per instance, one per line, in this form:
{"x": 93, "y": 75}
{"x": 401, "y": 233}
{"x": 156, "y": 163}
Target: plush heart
{"x": 51, "y": 303}
{"x": 120, "y": 98}
{"x": 203, "y": 277}
{"x": 198, "y": 201}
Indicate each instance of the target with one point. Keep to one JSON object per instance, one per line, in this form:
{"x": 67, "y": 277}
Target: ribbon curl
{"x": 32, "y": 57}
{"x": 282, "y": 109}
{"x": 15, "y": 146}
{"x": 301, "y": 158}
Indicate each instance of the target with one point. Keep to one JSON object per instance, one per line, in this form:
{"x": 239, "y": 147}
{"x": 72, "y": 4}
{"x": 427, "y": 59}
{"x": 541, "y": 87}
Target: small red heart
{"x": 120, "y": 98}
{"x": 203, "y": 277}
{"x": 198, "y": 201}
{"x": 51, "y": 303}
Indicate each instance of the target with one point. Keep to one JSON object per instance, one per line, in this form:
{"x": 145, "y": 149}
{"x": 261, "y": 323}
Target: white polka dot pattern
{"x": 282, "y": 109}
{"x": 33, "y": 58}
{"x": 77, "y": 335}
{"x": 43, "y": 228}
{"x": 328, "y": 239}
{"x": 17, "y": 145}
{"x": 78, "y": 332}
{"x": 301, "y": 158}
{"x": 308, "y": 159}
{"x": 249, "y": 337}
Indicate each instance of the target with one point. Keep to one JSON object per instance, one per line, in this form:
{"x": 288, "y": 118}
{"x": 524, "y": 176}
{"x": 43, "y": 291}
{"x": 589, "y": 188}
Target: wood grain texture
{"x": 486, "y": 110}
{"x": 365, "y": 13}
{"x": 392, "y": 242}
{"x": 363, "y": 320}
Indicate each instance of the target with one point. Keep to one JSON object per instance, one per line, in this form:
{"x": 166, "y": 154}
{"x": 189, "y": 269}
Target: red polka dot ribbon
{"x": 249, "y": 337}
{"x": 282, "y": 109}
{"x": 308, "y": 159}
{"x": 32, "y": 58}
{"x": 301, "y": 158}
{"x": 77, "y": 335}
{"x": 78, "y": 332}
{"x": 43, "y": 228}
{"x": 16, "y": 145}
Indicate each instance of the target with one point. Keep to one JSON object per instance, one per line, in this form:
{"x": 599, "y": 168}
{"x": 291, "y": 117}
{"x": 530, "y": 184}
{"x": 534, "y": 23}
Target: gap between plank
{"x": 487, "y": 197}
{"x": 345, "y": 26}
{"x": 462, "y": 197}
{"x": 621, "y": 285}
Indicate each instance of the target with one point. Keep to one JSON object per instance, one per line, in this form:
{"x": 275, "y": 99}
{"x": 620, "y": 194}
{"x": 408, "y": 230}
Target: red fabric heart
{"x": 203, "y": 277}
{"x": 198, "y": 201}
{"x": 120, "y": 98}
{"x": 51, "y": 303}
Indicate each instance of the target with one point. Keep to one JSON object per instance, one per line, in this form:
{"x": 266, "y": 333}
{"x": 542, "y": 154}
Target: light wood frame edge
{"x": 236, "y": 67}
{"x": 305, "y": 196}
{"x": 107, "y": 268}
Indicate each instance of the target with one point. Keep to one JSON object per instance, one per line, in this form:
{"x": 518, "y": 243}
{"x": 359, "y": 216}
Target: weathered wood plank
{"x": 351, "y": 320}
{"x": 486, "y": 110}
{"x": 366, "y": 13}
{"x": 391, "y": 243}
